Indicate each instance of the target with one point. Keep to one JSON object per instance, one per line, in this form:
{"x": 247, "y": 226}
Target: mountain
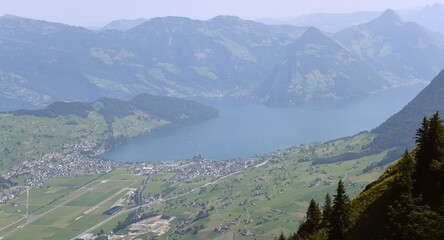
{"x": 167, "y": 56}
{"x": 222, "y": 56}
{"x": 430, "y": 16}
{"x": 319, "y": 68}
{"x": 123, "y": 24}
{"x": 328, "y": 22}
{"x": 402, "y": 52}
{"x": 43, "y": 62}
{"x": 39, "y": 62}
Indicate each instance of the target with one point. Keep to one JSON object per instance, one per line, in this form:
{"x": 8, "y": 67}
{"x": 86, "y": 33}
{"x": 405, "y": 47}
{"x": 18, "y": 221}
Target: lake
{"x": 246, "y": 128}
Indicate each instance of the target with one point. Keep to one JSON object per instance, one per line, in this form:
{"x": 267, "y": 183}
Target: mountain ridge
{"x": 390, "y": 46}
{"x": 399, "y": 129}
{"x": 317, "y": 61}
{"x": 169, "y": 108}
{"x": 172, "y": 56}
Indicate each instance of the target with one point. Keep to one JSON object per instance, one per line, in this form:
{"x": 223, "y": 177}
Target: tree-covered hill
{"x": 168, "y": 108}
{"x": 406, "y": 202}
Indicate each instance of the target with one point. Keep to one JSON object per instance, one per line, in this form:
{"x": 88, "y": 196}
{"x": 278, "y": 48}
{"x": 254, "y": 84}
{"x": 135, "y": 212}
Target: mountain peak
{"x": 14, "y": 17}
{"x": 10, "y": 16}
{"x": 312, "y": 32}
{"x": 389, "y": 16}
{"x": 225, "y": 18}
{"x": 313, "y": 35}
{"x": 435, "y": 6}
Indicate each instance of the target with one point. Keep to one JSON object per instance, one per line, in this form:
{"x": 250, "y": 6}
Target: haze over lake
{"x": 246, "y": 128}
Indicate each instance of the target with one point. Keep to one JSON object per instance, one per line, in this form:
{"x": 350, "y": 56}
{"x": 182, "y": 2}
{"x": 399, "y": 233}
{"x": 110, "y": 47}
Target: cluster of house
{"x": 12, "y": 193}
{"x": 198, "y": 166}
{"x": 71, "y": 162}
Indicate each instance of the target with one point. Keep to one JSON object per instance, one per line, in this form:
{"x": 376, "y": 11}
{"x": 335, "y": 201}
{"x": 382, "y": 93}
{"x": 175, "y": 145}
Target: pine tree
{"x": 312, "y": 223}
{"x": 313, "y": 216}
{"x": 419, "y": 187}
{"x": 404, "y": 179}
{"x": 282, "y": 236}
{"x": 327, "y": 211}
{"x": 409, "y": 221}
{"x": 429, "y": 174}
{"x": 340, "y": 219}
{"x": 397, "y": 221}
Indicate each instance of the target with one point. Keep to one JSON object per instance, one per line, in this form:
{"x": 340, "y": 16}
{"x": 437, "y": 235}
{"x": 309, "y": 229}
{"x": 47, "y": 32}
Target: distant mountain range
{"x": 430, "y": 16}
{"x": 329, "y": 22}
{"x": 391, "y": 46}
{"x": 43, "y": 62}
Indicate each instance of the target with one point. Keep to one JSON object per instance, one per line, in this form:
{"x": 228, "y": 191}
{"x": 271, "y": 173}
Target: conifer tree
{"x": 410, "y": 216}
{"x": 409, "y": 221}
{"x": 430, "y": 160}
{"x": 340, "y": 219}
{"x": 282, "y": 236}
{"x": 397, "y": 221}
{"x": 327, "y": 211}
{"x": 312, "y": 223}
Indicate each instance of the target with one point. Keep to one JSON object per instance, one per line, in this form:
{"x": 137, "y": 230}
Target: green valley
{"x": 259, "y": 201}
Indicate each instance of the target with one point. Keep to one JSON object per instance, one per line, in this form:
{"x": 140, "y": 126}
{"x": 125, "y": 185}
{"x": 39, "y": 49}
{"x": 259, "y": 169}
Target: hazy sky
{"x": 100, "y": 12}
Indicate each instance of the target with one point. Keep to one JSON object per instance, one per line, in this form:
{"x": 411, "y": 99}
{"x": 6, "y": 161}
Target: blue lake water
{"x": 245, "y": 128}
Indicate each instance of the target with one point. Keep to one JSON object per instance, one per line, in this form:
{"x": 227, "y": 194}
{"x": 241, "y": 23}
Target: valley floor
{"x": 192, "y": 199}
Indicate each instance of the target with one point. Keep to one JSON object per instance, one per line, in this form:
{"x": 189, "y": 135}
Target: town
{"x": 84, "y": 158}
